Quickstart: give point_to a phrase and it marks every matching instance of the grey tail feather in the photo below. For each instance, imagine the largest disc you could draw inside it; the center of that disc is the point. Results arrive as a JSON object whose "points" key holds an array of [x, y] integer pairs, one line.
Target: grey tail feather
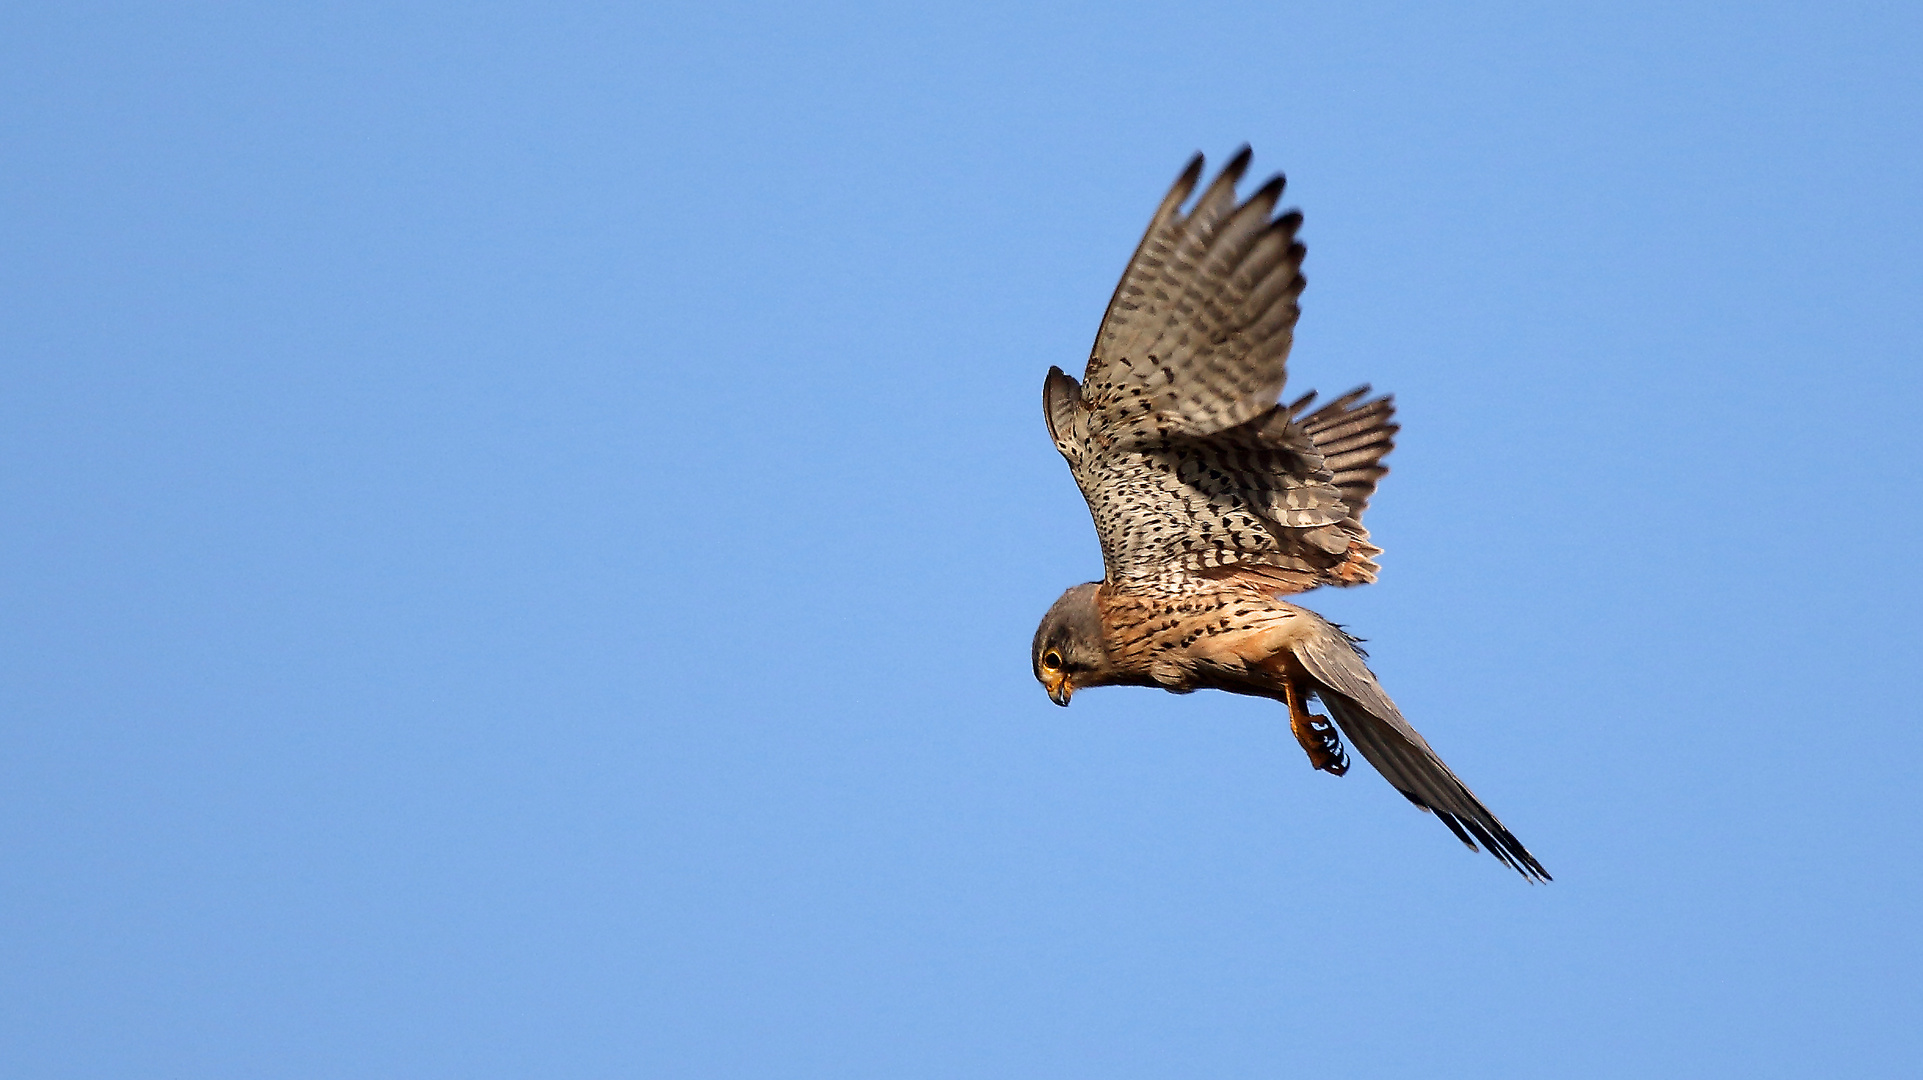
{"points": [[1424, 780]]}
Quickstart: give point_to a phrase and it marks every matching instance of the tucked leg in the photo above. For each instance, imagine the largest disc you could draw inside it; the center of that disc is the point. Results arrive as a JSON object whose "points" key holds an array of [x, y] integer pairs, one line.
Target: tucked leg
{"points": [[1316, 734]]}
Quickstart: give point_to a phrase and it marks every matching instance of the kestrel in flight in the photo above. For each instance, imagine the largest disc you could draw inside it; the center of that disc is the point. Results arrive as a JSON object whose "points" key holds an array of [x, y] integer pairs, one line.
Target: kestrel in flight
{"points": [[1212, 501]]}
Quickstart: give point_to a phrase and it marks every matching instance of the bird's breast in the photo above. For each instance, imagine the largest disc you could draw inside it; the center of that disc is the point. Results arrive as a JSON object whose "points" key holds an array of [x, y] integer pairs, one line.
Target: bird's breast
{"points": [[1217, 638]]}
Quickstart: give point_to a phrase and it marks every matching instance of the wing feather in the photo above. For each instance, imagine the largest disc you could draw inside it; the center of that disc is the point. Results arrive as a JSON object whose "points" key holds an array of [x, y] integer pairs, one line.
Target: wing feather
{"points": [[1174, 436], [1353, 433], [1197, 334]]}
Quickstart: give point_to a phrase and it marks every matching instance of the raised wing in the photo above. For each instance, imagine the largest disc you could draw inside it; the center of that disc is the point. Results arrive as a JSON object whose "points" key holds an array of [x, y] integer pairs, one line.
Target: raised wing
{"points": [[1188, 464], [1197, 335]]}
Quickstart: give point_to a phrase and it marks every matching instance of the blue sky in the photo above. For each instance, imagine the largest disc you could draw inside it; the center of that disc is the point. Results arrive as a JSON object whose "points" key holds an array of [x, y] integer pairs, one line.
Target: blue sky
{"points": [[524, 525]]}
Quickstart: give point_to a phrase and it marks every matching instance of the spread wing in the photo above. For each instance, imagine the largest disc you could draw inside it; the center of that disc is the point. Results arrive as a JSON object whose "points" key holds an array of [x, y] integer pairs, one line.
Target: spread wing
{"points": [[1189, 465], [1352, 434], [1373, 725]]}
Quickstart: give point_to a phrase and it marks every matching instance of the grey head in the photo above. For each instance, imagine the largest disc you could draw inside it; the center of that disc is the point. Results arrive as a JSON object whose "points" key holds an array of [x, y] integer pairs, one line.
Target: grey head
{"points": [[1069, 652]]}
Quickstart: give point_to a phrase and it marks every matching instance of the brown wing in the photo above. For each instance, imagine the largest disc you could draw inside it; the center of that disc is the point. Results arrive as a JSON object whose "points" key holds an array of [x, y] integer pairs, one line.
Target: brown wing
{"points": [[1353, 435], [1188, 464], [1196, 338]]}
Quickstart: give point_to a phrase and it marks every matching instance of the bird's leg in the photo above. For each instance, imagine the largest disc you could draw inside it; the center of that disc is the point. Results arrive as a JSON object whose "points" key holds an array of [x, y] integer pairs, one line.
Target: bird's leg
{"points": [[1316, 734]]}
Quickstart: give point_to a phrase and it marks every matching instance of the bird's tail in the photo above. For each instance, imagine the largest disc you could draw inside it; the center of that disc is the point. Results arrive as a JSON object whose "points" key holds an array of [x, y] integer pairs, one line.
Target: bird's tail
{"points": [[1412, 768], [1375, 727]]}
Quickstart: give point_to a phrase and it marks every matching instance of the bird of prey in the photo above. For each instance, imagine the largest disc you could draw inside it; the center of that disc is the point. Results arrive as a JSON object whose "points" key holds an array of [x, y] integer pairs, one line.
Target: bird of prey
{"points": [[1213, 501]]}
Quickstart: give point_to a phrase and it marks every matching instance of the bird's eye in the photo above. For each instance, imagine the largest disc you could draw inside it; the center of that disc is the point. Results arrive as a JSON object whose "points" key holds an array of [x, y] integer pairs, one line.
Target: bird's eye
{"points": [[1052, 661]]}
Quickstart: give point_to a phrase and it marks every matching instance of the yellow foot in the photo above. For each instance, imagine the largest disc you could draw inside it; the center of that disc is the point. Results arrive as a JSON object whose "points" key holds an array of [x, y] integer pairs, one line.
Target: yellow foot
{"points": [[1324, 746], [1316, 734]]}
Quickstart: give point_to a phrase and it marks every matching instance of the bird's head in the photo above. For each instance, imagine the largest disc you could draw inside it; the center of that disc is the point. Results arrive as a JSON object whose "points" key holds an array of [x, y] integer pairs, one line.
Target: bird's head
{"points": [[1069, 651]]}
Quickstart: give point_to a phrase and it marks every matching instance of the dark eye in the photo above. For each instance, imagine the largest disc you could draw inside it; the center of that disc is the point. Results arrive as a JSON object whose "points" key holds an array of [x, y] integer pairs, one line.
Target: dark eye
{"points": [[1052, 661]]}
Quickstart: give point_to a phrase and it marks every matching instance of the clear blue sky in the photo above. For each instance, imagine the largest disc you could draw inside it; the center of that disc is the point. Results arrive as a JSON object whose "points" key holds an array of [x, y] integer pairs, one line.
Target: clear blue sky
{"points": [[523, 525]]}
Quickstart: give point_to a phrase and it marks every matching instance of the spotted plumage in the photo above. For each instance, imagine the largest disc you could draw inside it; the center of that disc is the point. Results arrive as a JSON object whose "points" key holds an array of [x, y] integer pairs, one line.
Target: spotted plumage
{"points": [[1212, 501]]}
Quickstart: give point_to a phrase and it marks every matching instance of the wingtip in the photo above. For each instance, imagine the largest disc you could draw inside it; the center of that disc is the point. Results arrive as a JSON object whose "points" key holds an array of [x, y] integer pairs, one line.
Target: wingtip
{"points": [[1239, 162], [1181, 189], [1270, 191]]}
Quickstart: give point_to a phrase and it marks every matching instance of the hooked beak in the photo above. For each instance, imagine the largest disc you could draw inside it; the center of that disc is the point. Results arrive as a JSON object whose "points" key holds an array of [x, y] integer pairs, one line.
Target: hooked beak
{"points": [[1058, 688]]}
